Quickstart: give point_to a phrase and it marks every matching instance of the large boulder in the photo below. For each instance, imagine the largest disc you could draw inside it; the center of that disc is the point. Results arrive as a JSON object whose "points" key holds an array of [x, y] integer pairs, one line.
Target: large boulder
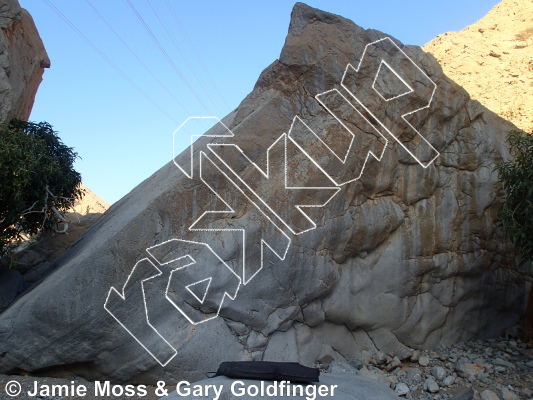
{"points": [[23, 59], [407, 256]]}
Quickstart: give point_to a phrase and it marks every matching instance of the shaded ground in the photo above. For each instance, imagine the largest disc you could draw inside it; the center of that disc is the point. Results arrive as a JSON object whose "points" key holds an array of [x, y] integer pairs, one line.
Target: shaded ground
{"points": [[493, 369]]}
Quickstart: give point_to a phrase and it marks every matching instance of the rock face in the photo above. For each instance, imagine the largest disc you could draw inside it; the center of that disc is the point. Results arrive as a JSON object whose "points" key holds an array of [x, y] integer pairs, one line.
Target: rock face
{"points": [[404, 257], [91, 203], [493, 60], [23, 59], [11, 285]]}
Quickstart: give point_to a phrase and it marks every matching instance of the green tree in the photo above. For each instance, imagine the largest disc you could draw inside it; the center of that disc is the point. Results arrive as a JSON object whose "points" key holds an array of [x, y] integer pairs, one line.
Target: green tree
{"points": [[516, 214], [37, 181]]}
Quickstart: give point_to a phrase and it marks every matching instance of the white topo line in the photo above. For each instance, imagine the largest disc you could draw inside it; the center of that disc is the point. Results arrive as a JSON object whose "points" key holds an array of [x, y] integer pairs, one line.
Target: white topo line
{"points": [[189, 172]]}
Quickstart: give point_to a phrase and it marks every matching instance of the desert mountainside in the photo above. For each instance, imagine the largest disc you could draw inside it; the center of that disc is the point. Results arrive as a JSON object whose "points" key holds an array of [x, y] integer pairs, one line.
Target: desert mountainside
{"points": [[493, 60], [90, 203]]}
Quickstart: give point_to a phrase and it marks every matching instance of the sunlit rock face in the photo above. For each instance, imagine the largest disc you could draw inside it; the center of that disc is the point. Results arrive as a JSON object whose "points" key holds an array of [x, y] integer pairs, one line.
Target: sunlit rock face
{"points": [[23, 59], [406, 256], [493, 60]]}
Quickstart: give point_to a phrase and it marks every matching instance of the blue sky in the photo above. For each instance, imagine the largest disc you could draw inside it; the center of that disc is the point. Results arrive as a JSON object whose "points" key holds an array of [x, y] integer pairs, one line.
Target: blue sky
{"points": [[122, 127]]}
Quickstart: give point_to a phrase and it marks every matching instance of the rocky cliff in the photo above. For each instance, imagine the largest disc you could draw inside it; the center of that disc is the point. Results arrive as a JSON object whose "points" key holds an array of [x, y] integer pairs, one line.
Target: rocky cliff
{"points": [[404, 256], [91, 203], [23, 59], [22, 62], [493, 60]]}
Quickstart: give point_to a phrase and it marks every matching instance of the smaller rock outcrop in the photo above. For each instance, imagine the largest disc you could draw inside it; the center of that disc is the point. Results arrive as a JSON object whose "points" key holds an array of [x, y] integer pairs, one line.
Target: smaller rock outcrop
{"points": [[23, 59], [91, 203]]}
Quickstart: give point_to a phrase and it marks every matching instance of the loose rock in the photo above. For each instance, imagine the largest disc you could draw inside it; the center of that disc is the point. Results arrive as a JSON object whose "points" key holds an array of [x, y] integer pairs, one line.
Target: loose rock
{"points": [[341, 367], [465, 368], [438, 373], [489, 395], [423, 361], [431, 385], [508, 394], [448, 381], [394, 363], [467, 394], [402, 389], [414, 375], [380, 357], [504, 363]]}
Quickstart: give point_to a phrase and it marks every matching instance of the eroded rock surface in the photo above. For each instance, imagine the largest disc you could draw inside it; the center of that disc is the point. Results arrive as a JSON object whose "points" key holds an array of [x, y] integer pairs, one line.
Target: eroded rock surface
{"points": [[493, 60], [23, 59], [90, 203], [405, 257]]}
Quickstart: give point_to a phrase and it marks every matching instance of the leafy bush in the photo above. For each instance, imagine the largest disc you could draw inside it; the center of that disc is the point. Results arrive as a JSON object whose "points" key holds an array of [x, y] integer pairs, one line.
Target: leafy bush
{"points": [[516, 214], [37, 180]]}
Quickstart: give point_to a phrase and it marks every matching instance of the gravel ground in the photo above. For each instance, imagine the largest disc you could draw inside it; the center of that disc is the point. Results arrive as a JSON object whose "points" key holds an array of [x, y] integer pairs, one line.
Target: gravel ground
{"points": [[494, 369]]}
